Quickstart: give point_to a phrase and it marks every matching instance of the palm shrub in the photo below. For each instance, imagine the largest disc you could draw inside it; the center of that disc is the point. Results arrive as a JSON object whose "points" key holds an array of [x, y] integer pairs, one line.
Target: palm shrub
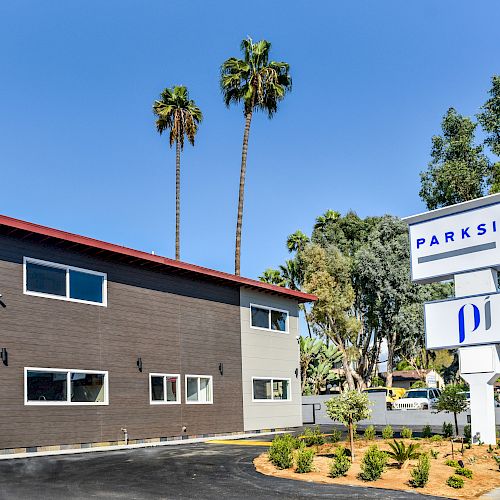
{"points": [[313, 436], [420, 473], [426, 431], [373, 464], [406, 433], [402, 454], [281, 451], [304, 462], [340, 463], [464, 471], [387, 432], [434, 454], [369, 433], [456, 482], [447, 429]]}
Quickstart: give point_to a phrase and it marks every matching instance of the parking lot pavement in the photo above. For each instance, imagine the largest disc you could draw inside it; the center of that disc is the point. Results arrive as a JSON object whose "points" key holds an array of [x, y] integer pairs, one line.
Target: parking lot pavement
{"points": [[201, 471]]}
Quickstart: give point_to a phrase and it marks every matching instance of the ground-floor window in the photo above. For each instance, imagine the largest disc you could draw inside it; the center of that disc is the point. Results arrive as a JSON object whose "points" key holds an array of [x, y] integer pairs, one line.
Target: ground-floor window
{"points": [[50, 386], [199, 389], [164, 388], [271, 389]]}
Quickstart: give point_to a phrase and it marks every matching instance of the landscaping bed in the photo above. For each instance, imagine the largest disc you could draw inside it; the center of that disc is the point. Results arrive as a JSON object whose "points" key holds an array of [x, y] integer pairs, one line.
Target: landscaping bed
{"points": [[480, 460]]}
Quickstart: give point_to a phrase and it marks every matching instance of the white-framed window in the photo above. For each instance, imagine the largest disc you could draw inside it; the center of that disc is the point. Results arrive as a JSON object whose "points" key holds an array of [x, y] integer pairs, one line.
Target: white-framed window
{"points": [[62, 282], [271, 389], [199, 389], [164, 388], [268, 318], [57, 386]]}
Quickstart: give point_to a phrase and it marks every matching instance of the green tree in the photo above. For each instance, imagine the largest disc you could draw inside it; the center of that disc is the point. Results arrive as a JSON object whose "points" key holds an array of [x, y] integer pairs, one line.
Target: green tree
{"points": [[297, 241], [349, 408], [382, 267], [489, 118], [459, 171], [260, 84], [273, 277], [179, 115], [452, 400]]}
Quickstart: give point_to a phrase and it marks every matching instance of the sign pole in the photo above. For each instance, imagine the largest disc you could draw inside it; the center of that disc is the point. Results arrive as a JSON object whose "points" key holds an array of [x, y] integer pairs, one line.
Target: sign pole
{"points": [[479, 365]]}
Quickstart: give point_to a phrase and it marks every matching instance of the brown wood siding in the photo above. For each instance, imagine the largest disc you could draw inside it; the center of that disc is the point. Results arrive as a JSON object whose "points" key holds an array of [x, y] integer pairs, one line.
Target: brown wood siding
{"points": [[176, 324]]}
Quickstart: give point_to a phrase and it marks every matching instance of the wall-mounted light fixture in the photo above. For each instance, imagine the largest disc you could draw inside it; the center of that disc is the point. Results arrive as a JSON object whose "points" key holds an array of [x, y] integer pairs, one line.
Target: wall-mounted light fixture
{"points": [[296, 373], [4, 356], [221, 368], [139, 364], [2, 303]]}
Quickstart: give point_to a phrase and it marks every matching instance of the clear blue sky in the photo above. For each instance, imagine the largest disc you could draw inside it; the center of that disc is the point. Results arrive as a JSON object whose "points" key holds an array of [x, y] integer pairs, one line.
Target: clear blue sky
{"points": [[79, 151]]}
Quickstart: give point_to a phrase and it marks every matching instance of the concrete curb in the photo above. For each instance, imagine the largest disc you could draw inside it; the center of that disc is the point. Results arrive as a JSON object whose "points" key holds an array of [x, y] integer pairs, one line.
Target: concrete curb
{"points": [[98, 449]]}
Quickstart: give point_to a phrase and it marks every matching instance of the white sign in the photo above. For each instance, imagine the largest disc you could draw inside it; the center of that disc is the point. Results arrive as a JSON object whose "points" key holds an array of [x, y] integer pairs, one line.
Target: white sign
{"points": [[462, 322], [450, 244]]}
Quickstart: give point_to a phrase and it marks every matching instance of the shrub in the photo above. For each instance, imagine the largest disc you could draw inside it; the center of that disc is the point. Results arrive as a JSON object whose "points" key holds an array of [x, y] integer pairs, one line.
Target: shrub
{"points": [[426, 431], [387, 432], [434, 454], [467, 433], [340, 463], [281, 451], [497, 460], [451, 463], [402, 454], [304, 460], [406, 433], [463, 471], [335, 436], [447, 429], [370, 433], [420, 473], [313, 436], [437, 438], [373, 464], [455, 482]]}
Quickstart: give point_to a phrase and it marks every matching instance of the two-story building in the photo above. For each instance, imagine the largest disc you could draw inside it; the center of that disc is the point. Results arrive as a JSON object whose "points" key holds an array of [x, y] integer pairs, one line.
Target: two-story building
{"points": [[96, 338]]}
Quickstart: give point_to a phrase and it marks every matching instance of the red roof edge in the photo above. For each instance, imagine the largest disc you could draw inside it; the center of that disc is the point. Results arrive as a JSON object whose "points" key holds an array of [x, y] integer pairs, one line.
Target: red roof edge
{"points": [[118, 249]]}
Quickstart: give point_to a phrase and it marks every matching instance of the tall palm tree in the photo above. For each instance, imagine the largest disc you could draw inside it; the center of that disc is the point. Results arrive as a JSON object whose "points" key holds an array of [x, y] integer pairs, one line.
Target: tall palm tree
{"points": [[260, 84], [180, 115]]}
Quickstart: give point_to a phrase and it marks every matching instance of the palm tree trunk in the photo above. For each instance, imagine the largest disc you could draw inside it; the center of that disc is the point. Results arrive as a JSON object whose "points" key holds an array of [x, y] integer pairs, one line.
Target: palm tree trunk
{"points": [[177, 200], [239, 222]]}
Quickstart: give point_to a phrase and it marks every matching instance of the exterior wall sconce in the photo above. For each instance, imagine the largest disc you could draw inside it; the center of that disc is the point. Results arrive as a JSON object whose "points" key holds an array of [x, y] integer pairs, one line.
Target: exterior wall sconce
{"points": [[221, 368], [139, 364], [4, 356], [296, 373]]}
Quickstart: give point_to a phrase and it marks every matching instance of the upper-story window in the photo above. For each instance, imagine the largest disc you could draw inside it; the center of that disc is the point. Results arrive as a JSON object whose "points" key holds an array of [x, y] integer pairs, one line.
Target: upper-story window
{"points": [[58, 281], [267, 318]]}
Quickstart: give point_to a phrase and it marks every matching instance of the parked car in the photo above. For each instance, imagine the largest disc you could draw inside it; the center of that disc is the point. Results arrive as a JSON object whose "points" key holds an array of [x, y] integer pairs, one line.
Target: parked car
{"points": [[467, 397], [418, 399], [391, 393]]}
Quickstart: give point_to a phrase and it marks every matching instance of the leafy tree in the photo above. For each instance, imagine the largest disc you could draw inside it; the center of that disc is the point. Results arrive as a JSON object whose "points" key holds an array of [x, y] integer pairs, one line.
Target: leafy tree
{"points": [[179, 115], [349, 408], [452, 400], [489, 118], [459, 171], [260, 84]]}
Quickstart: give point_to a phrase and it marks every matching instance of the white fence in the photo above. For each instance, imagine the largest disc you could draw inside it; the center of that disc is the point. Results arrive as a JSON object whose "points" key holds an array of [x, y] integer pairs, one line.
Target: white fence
{"points": [[314, 412]]}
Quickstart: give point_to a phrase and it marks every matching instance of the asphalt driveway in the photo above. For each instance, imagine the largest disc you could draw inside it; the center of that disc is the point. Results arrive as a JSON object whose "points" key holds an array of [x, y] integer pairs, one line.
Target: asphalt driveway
{"points": [[201, 471]]}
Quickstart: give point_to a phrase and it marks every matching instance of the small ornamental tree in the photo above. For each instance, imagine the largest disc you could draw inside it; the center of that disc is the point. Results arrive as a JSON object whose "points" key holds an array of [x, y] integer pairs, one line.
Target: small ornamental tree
{"points": [[452, 400], [349, 408]]}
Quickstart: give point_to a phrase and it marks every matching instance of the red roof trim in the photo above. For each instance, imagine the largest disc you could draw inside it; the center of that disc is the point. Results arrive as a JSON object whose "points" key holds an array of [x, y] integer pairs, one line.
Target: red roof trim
{"points": [[118, 249]]}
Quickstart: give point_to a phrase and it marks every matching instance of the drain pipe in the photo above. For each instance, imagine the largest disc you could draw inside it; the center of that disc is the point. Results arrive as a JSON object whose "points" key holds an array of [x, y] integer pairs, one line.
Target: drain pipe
{"points": [[125, 434]]}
